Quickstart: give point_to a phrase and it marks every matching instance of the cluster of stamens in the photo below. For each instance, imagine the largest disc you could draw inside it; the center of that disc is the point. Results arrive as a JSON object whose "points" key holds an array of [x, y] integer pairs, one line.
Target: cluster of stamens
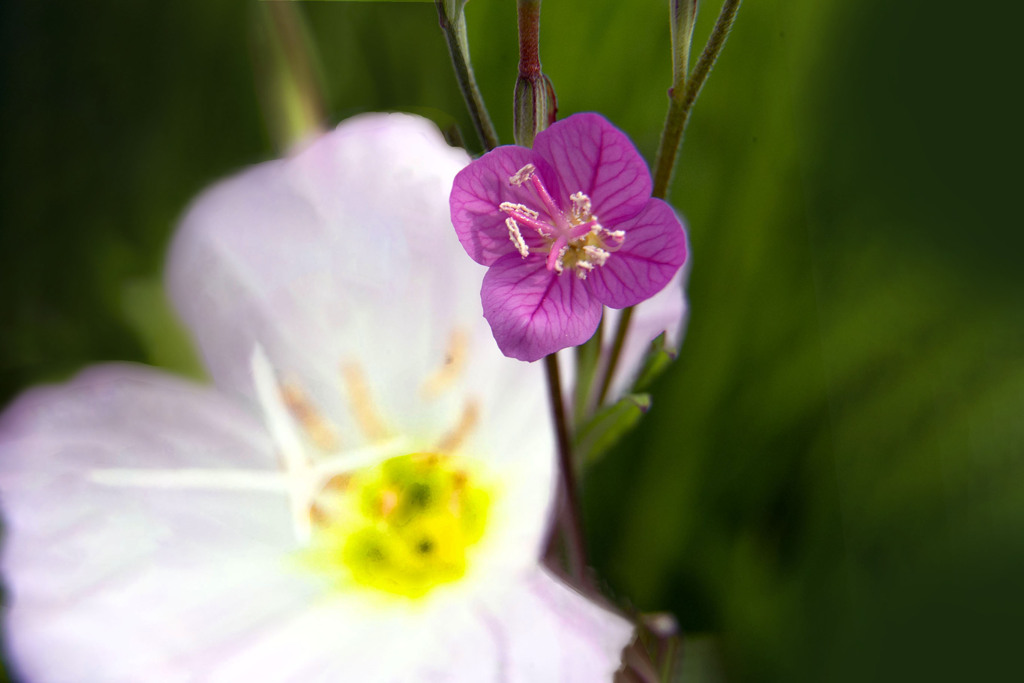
{"points": [[411, 523], [402, 525], [572, 239]]}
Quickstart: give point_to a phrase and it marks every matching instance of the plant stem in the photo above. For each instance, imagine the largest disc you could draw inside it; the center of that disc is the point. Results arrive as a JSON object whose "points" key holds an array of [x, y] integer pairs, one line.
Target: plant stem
{"points": [[569, 517], [681, 100], [529, 37], [613, 357], [454, 28], [682, 97]]}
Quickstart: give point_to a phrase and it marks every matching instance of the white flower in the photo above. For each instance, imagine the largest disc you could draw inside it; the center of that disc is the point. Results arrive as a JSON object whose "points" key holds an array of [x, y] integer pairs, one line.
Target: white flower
{"points": [[363, 497]]}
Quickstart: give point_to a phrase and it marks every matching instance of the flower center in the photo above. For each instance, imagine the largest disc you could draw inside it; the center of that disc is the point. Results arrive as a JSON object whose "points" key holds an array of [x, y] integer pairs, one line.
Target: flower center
{"points": [[573, 239], [403, 526]]}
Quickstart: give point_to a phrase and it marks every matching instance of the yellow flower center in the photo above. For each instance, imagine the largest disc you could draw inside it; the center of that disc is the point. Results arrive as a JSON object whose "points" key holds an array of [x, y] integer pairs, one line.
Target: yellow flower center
{"points": [[406, 525]]}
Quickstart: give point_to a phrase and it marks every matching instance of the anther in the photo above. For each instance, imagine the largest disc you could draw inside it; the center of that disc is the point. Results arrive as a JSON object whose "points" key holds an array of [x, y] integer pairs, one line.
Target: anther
{"points": [[581, 205], [595, 255], [315, 426], [509, 207], [517, 237], [612, 239], [467, 421], [361, 399], [454, 362], [522, 175], [558, 262]]}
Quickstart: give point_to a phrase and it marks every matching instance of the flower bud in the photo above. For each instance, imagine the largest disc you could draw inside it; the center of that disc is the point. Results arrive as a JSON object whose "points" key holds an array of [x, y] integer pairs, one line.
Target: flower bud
{"points": [[683, 17], [534, 107]]}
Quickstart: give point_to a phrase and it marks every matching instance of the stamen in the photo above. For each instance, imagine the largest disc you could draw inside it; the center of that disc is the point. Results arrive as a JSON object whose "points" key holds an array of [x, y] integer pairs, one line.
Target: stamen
{"points": [[595, 255], [318, 517], [454, 362], [388, 502], [522, 175], [361, 400], [509, 207], [556, 257], [581, 205], [339, 483], [467, 421], [517, 237], [316, 427], [545, 229], [613, 239]]}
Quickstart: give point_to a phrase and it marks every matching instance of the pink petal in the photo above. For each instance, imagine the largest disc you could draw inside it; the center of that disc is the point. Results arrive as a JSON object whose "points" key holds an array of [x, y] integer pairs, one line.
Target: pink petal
{"points": [[654, 249], [592, 156], [481, 187], [532, 311]]}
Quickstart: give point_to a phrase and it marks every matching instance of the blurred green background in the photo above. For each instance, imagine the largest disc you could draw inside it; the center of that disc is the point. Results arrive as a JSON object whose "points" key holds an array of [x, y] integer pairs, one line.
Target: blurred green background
{"points": [[831, 480]]}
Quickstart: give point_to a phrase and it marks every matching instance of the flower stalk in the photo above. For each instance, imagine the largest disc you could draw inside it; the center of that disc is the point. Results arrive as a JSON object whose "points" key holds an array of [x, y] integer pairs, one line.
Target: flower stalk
{"points": [[534, 103], [530, 116], [686, 88], [682, 96], [570, 520], [453, 23], [288, 78]]}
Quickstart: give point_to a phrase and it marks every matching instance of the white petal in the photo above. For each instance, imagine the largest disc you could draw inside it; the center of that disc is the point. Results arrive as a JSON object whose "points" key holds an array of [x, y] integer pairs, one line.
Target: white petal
{"points": [[344, 253], [131, 582], [665, 312], [541, 631]]}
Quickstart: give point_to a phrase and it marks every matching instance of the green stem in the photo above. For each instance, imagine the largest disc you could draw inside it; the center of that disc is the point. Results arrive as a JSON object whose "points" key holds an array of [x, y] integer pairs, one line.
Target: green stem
{"points": [[683, 96], [588, 359], [681, 100], [454, 28], [569, 517], [613, 358]]}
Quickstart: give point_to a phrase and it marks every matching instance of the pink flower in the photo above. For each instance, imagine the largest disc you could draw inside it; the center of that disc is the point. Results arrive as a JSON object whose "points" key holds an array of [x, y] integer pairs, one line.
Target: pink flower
{"points": [[565, 229]]}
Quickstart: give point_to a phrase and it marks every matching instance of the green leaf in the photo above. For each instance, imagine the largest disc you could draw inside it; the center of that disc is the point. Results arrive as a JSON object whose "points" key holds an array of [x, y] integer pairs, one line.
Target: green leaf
{"points": [[609, 425], [657, 360]]}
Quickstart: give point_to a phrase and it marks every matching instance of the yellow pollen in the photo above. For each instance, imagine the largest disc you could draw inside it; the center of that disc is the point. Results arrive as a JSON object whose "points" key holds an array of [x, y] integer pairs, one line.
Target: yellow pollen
{"points": [[409, 524]]}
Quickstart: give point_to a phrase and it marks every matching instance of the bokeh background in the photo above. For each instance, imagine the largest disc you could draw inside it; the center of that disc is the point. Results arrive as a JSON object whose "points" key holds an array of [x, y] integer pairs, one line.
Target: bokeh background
{"points": [[830, 485]]}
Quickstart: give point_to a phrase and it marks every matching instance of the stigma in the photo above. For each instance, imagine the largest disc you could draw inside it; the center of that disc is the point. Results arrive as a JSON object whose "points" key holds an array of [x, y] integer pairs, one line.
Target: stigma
{"points": [[404, 526], [572, 238]]}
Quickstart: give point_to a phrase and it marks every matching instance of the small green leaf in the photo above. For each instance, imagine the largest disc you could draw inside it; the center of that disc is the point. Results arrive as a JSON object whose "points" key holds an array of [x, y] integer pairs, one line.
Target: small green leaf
{"points": [[657, 360], [610, 425]]}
